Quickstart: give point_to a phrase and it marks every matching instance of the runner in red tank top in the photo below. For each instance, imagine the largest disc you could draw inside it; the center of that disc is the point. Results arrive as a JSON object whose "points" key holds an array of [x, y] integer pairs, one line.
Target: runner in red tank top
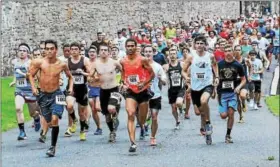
{"points": [[136, 77]]}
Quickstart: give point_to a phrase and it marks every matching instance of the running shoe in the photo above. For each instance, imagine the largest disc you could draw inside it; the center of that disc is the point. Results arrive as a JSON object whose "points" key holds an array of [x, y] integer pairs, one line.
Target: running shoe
{"points": [[68, 132], [112, 137], [228, 139], [82, 136], [208, 129], [51, 151], [73, 128], [251, 104], [133, 147], [22, 135], [177, 126], [256, 107], [202, 131], [187, 117], [241, 120], [98, 131], [42, 139]]}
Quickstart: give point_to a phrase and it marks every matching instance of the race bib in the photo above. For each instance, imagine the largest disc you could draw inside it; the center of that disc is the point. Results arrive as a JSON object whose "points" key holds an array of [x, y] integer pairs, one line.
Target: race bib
{"points": [[60, 100], [269, 40], [78, 79], [176, 79], [133, 79], [200, 76], [117, 96], [227, 84], [21, 82]]}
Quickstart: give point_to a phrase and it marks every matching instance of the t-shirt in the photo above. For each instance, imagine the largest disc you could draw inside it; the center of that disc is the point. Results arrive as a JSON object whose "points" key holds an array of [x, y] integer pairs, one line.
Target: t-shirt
{"points": [[158, 70], [121, 43], [219, 55], [97, 44], [257, 65], [159, 58], [228, 73], [245, 50]]}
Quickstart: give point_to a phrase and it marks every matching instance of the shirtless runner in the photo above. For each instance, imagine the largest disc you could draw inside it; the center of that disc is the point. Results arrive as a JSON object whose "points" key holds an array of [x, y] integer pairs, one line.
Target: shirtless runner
{"points": [[94, 91], [50, 98], [104, 69]]}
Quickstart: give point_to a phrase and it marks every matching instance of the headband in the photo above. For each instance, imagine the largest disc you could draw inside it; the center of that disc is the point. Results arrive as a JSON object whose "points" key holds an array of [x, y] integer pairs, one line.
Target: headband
{"points": [[25, 47]]}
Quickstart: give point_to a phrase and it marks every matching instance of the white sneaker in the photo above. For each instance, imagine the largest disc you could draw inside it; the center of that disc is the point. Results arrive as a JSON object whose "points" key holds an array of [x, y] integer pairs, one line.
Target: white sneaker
{"points": [[256, 107], [251, 104]]}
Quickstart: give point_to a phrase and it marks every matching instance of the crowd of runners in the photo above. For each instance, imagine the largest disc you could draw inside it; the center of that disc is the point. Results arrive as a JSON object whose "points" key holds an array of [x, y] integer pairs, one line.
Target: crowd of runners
{"points": [[218, 58]]}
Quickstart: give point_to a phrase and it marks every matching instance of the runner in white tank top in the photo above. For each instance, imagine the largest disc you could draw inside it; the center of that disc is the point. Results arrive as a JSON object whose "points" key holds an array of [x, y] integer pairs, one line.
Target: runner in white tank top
{"points": [[203, 68]]}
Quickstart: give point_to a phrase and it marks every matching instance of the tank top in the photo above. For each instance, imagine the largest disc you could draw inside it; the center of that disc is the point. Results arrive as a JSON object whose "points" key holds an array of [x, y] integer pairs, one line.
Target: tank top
{"points": [[78, 79], [22, 83], [201, 71], [135, 73], [175, 76]]}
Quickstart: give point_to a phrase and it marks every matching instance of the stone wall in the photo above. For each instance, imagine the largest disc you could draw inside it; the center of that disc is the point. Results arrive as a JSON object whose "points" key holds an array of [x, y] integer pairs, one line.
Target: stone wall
{"points": [[33, 21]]}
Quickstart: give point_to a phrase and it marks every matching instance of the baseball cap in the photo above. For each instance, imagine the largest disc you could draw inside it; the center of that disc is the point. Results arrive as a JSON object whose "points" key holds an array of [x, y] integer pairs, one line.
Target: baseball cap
{"points": [[255, 43]]}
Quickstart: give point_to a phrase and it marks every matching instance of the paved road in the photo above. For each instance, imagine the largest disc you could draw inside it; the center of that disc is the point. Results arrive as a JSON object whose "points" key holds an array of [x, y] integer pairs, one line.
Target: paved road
{"points": [[254, 141]]}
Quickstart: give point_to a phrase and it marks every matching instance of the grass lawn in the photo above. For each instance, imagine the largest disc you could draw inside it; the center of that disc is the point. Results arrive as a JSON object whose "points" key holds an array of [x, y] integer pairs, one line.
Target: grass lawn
{"points": [[8, 113], [273, 104]]}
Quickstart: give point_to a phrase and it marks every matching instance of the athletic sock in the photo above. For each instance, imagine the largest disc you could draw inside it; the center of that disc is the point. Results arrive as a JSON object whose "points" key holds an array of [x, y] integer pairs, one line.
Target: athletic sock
{"points": [[55, 131], [208, 122], [21, 126], [110, 126], [228, 131], [83, 125]]}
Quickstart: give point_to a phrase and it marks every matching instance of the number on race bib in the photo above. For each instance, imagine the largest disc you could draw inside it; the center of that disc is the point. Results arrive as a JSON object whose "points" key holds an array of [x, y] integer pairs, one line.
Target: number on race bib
{"points": [[176, 79], [21, 82], [78, 79], [228, 84], [133, 79], [200, 76], [117, 96], [60, 100]]}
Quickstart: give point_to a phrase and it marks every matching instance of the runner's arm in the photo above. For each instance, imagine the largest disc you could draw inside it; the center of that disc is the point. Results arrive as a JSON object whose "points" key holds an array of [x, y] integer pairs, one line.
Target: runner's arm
{"points": [[118, 65], [248, 63], [266, 61], [87, 65], [122, 81], [241, 73], [70, 77], [163, 77], [33, 69], [184, 73], [215, 66], [186, 66], [146, 65]]}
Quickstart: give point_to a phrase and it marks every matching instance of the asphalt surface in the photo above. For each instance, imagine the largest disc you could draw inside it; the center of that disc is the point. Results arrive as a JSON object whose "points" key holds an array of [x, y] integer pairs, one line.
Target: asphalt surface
{"points": [[254, 142]]}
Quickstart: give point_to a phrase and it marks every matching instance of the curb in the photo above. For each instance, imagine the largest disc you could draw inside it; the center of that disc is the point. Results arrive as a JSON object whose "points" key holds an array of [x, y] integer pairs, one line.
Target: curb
{"points": [[274, 83]]}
